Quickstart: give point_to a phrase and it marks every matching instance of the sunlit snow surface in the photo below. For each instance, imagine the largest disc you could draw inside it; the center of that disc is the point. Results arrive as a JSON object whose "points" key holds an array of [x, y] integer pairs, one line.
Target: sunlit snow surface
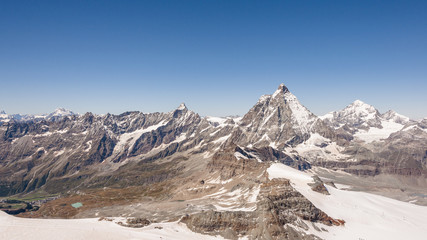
{"points": [[375, 134], [13, 228], [367, 216]]}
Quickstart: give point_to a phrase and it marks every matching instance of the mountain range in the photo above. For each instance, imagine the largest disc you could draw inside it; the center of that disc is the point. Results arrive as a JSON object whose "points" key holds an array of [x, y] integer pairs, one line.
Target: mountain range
{"points": [[59, 112], [257, 176]]}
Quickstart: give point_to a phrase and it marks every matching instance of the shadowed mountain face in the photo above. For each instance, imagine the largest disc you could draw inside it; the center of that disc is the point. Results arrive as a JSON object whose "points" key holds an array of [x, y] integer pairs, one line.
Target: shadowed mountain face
{"points": [[65, 151]]}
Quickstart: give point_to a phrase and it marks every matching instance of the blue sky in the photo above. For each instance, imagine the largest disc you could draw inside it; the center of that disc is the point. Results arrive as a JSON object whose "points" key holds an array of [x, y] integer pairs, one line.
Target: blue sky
{"points": [[218, 57]]}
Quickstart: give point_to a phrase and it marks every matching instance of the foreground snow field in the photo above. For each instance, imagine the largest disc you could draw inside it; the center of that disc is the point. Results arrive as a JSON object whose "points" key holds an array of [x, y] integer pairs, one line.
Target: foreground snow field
{"points": [[367, 216], [75, 229]]}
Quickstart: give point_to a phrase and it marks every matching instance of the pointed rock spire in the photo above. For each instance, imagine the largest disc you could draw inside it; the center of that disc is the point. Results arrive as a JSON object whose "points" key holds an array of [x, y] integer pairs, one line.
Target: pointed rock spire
{"points": [[282, 89]]}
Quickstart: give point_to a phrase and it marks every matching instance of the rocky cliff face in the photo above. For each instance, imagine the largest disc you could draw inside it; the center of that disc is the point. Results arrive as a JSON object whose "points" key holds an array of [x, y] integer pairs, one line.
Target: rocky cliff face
{"points": [[278, 205]]}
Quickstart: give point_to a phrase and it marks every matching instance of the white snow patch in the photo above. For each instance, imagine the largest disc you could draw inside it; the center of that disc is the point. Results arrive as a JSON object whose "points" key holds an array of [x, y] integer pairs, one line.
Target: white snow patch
{"points": [[217, 131], [60, 152], [222, 139], [237, 120], [89, 146], [238, 200], [218, 120], [314, 143], [51, 133], [162, 146], [43, 134], [375, 134], [217, 180], [253, 195], [80, 133], [327, 116], [268, 118], [239, 156]]}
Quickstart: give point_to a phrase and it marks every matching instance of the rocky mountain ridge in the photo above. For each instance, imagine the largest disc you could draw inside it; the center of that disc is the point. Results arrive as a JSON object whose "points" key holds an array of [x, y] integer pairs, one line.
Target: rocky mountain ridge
{"points": [[57, 113], [64, 143], [218, 166]]}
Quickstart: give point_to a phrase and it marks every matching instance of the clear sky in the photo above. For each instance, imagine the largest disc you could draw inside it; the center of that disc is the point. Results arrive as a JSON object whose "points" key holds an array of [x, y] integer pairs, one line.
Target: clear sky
{"points": [[218, 57]]}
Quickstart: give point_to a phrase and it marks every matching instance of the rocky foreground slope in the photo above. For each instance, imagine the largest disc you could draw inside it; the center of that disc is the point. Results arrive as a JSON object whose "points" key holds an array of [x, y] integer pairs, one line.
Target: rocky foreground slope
{"points": [[214, 174]]}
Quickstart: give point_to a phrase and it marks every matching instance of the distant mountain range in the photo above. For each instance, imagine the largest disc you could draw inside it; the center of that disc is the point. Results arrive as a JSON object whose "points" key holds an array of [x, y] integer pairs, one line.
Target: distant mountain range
{"points": [[66, 153], [64, 141], [59, 112]]}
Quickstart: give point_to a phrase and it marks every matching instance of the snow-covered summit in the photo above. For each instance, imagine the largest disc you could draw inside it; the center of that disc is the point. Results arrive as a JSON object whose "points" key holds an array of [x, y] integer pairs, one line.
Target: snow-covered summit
{"points": [[182, 107], [61, 112], [277, 119], [365, 122], [301, 117], [361, 110], [357, 114], [282, 89]]}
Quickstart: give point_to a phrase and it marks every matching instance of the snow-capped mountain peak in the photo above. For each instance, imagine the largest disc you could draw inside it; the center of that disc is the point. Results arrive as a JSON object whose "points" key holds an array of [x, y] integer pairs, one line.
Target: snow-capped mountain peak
{"points": [[359, 102], [61, 112], [300, 114], [357, 114], [282, 89], [365, 122], [182, 107], [361, 109]]}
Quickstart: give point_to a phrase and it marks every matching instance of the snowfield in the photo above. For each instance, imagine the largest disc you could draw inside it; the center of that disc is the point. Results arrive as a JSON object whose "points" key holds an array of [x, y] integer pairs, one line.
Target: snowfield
{"points": [[367, 216], [14, 228], [376, 134]]}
